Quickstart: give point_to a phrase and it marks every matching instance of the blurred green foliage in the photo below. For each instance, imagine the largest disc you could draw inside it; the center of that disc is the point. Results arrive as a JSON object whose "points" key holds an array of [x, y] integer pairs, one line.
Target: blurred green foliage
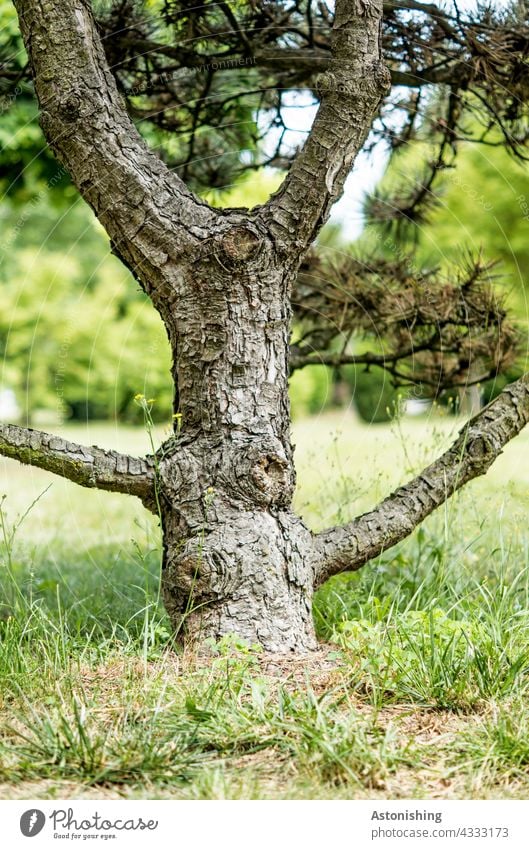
{"points": [[484, 205], [481, 203], [77, 337]]}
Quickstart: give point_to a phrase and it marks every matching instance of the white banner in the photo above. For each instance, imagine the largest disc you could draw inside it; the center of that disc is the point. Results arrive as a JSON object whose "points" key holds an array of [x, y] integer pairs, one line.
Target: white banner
{"points": [[264, 825]]}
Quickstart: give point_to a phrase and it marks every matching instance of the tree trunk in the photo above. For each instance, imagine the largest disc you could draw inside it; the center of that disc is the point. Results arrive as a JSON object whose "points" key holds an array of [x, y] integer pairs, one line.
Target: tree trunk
{"points": [[236, 558], [470, 396], [241, 571]]}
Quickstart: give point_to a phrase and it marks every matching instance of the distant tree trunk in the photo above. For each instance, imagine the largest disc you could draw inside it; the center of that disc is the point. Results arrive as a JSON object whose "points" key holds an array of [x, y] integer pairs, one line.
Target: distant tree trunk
{"points": [[470, 396], [341, 391]]}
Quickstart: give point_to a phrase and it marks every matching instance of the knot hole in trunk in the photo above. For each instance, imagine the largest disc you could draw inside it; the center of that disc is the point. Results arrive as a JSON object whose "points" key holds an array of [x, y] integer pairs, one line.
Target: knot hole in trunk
{"points": [[241, 245], [271, 476]]}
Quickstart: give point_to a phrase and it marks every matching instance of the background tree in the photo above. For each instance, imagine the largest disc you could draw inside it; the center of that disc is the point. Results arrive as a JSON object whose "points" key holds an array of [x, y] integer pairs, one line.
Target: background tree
{"points": [[213, 79]]}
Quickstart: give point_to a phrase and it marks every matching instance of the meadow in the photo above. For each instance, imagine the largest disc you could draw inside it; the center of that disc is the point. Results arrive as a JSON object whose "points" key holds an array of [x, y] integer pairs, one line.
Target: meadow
{"points": [[418, 690]]}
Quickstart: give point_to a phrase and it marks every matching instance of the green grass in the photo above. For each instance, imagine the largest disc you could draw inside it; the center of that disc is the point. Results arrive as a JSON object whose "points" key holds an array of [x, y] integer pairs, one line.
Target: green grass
{"points": [[419, 690]]}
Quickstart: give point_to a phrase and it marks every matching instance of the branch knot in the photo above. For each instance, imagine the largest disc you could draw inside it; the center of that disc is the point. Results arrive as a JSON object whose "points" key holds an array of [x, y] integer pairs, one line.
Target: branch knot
{"points": [[70, 108]]}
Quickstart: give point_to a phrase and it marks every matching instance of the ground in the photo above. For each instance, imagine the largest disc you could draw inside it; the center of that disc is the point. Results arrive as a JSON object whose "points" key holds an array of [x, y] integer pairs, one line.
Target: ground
{"points": [[419, 688]]}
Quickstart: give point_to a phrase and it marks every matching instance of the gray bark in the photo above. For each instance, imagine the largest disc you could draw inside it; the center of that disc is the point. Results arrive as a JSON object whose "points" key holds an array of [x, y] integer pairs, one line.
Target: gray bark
{"points": [[90, 467], [470, 396], [350, 92], [236, 557]]}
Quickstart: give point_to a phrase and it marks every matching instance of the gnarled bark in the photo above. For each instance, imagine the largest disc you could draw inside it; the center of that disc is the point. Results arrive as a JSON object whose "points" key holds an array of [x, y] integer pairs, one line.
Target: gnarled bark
{"points": [[350, 92], [91, 467], [236, 558]]}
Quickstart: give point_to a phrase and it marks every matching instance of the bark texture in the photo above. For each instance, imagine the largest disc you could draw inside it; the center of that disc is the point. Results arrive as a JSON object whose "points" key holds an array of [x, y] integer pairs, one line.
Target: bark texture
{"points": [[91, 467], [236, 557], [350, 92]]}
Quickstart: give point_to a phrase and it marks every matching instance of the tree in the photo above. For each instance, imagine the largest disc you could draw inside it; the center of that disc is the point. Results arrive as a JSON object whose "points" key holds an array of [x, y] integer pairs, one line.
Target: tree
{"points": [[236, 557]]}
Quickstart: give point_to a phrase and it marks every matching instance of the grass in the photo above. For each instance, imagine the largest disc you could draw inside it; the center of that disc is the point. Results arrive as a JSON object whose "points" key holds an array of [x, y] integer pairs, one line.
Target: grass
{"points": [[419, 688]]}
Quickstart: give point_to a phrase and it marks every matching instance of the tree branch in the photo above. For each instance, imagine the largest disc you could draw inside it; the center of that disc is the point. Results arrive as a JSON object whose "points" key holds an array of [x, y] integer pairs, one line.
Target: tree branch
{"points": [[481, 441], [146, 209], [350, 93], [299, 360], [302, 65], [430, 327], [90, 467]]}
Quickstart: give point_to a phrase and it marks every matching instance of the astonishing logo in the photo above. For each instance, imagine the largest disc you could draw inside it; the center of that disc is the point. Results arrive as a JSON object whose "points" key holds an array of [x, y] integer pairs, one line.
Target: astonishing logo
{"points": [[32, 822]]}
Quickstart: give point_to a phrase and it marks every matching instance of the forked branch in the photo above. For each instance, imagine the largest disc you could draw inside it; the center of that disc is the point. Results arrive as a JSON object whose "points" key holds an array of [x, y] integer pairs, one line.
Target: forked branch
{"points": [[480, 442], [90, 467], [350, 93], [145, 208]]}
